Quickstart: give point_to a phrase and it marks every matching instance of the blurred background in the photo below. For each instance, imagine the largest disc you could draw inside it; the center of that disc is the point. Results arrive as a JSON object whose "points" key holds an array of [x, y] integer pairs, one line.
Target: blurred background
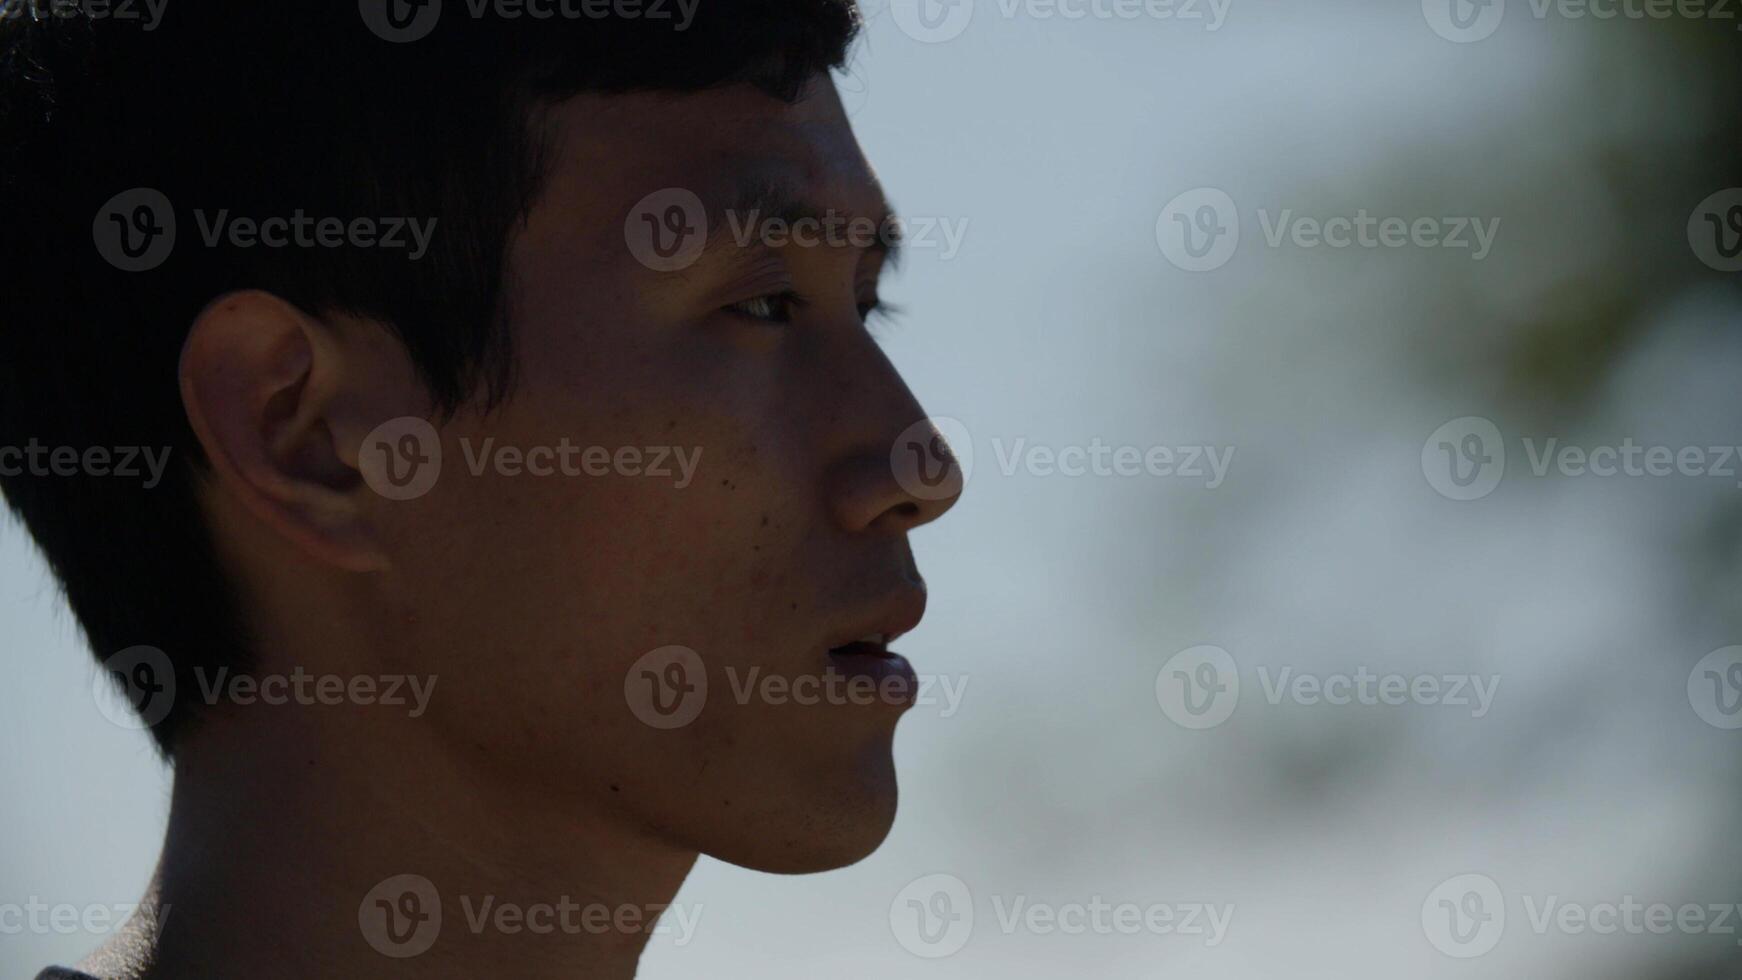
{"points": [[1145, 658]]}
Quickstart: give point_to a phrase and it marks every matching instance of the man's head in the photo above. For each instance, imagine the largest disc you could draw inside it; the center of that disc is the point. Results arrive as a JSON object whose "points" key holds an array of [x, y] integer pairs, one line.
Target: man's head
{"points": [[664, 433]]}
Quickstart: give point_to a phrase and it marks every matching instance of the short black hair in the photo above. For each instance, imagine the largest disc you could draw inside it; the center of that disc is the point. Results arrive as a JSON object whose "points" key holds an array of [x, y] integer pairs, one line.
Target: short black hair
{"points": [[267, 108]]}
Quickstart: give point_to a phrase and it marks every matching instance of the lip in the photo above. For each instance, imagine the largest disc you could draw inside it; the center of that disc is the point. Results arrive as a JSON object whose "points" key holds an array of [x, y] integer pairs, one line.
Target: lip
{"points": [[895, 616], [890, 676], [896, 682]]}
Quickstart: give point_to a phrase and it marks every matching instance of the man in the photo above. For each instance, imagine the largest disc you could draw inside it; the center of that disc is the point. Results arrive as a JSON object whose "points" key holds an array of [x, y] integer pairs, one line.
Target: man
{"points": [[525, 467]]}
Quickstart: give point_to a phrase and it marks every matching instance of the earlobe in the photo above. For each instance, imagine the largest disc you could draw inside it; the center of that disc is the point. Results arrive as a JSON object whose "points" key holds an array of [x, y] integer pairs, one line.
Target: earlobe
{"points": [[263, 386]]}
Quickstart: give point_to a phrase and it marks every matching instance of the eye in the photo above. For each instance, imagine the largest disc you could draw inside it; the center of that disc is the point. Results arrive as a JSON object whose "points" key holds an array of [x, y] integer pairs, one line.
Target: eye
{"points": [[772, 308], [877, 315]]}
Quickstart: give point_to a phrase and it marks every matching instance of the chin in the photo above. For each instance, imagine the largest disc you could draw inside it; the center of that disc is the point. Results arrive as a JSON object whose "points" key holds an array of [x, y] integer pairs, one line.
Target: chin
{"points": [[838, 847], [823, 826]]}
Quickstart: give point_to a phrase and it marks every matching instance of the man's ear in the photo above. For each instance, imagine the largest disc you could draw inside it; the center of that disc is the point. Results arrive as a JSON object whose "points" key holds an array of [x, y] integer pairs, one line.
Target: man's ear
{"points": [[281, 402]]}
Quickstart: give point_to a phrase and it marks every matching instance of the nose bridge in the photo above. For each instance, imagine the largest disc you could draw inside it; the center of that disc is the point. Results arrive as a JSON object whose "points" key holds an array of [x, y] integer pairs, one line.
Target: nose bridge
{"points": [[887, 469], [865, 402]]}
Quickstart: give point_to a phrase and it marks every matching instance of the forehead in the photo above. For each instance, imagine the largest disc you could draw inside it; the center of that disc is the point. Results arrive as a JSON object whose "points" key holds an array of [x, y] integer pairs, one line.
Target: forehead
{"points": [[604, 153]]}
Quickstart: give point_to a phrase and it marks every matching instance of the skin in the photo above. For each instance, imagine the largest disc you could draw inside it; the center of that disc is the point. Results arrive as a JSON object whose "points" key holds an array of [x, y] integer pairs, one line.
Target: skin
{"points": [[530, 600]]}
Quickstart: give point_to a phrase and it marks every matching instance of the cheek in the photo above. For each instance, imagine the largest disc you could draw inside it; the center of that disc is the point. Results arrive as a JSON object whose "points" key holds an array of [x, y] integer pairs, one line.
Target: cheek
{"points": [[699, 541], [550, 590], [689, 540], [720, 462]]}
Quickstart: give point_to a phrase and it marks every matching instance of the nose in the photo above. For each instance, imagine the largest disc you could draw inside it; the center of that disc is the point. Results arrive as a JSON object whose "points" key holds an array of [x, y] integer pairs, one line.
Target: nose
{"points": [[874, 494], [901, 473]]}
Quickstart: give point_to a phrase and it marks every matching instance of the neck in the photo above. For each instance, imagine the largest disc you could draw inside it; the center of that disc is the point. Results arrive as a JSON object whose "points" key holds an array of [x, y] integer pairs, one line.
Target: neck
{"points": [[315, 841]]}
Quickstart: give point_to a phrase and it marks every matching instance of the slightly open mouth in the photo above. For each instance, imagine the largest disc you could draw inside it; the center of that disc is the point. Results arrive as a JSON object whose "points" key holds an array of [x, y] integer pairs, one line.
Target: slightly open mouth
{"points": [[871, 646]]}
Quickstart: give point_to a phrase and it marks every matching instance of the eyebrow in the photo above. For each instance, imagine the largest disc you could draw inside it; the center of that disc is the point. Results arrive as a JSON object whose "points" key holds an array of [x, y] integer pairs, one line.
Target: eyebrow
{"points": [[773, 200]]}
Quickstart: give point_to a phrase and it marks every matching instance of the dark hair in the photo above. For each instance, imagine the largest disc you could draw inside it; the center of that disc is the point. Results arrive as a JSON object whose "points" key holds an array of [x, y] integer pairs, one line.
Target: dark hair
{"points": [[266, 107]]}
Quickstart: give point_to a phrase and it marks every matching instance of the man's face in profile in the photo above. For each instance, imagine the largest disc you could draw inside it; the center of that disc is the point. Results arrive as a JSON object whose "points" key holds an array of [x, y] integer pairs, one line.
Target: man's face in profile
{"points": [[747, 511]]}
